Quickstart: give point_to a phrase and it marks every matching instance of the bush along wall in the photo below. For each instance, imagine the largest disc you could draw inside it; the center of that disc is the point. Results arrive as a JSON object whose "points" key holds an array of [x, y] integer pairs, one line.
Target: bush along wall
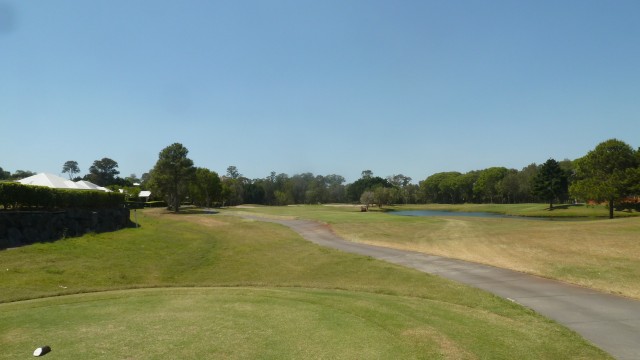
{"points": [[17, 196], [38, 214]]}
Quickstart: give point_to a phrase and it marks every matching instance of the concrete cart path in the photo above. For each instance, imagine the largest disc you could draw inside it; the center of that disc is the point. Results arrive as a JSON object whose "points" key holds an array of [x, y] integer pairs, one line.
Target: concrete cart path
{"points": [[608, 321]]}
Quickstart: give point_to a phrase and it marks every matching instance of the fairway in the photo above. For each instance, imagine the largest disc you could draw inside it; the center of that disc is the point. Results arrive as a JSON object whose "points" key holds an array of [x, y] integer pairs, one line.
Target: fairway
{"points": [[597, 253], [199, 285]]}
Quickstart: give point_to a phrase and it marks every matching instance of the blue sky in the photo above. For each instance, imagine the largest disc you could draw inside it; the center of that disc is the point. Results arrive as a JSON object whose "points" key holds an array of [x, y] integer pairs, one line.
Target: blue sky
{"points": [[329, 87]]}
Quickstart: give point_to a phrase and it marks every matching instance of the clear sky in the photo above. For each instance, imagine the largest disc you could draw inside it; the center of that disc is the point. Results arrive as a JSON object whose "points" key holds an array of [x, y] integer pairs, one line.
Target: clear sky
{"points": [[329, 87]]}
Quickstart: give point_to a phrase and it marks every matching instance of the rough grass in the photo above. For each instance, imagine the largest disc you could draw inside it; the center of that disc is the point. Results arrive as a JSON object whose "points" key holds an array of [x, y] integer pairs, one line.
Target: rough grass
{"points": [[254, 290], [598, 253]]}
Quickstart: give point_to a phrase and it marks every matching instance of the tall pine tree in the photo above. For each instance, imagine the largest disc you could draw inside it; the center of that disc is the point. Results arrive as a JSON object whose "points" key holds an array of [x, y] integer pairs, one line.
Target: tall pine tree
{"points": [[550, 183]]}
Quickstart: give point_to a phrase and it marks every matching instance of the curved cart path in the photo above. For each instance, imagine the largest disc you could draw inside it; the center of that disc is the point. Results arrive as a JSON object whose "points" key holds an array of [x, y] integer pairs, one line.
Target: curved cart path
{"points": [[608, 321]]}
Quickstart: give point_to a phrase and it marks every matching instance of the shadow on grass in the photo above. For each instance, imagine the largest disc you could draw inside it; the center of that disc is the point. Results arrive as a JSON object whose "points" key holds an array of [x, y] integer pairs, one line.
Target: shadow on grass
{"points": [[564, 207], [30, 237], [195, 211]]}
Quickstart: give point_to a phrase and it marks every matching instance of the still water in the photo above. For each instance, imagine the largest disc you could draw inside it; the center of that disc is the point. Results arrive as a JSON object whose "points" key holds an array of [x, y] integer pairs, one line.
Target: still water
{"points": [[483, 215], [451, 213]]}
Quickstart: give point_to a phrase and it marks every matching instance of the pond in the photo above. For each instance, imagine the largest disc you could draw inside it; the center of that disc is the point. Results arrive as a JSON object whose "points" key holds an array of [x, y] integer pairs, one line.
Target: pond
{"points": [[476, 214], [450, 213]]}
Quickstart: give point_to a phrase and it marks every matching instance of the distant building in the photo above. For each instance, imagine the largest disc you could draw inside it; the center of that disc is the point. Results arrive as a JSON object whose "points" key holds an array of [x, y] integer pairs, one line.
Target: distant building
{"points": [[144, 195]]}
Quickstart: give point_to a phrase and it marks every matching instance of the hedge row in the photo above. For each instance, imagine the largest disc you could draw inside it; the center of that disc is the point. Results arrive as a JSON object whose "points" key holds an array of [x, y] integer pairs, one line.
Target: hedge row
{"points": [[628, 206], [155, 204], [142, 204], [18, 196]]}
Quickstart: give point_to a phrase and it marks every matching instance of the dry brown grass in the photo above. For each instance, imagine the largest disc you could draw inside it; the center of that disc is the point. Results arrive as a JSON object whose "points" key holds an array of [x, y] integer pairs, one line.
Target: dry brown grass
{"points": [[601, 254]]}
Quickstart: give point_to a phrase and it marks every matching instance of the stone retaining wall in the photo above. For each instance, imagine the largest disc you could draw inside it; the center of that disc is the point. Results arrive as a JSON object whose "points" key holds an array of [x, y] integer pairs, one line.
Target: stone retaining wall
{"points": [[19, 228]]}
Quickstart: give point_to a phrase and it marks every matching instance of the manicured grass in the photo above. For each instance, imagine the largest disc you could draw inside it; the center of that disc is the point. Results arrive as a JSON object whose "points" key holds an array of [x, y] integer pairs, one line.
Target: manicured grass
{"points": [[244, 323], [602, 254], [216, 286]]}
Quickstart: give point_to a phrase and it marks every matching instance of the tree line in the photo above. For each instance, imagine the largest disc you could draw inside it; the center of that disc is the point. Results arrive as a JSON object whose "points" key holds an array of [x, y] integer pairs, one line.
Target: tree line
{"points": [[17, 175], [499, 185], [609, 173], [103, 172]]}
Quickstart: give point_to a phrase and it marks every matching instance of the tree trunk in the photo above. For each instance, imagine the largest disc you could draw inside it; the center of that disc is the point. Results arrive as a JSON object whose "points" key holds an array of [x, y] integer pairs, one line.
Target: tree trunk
{"points": [[551, 205], [176, 199], [610, 208]]}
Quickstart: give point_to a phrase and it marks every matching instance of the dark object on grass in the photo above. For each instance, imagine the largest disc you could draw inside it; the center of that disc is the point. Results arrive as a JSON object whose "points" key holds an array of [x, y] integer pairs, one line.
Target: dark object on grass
{"points": [[41, 351]]}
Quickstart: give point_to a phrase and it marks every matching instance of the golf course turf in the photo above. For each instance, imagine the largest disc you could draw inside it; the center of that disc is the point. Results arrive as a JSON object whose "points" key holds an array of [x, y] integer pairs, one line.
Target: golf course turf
{"points": [[585, 250], [215, 286]]}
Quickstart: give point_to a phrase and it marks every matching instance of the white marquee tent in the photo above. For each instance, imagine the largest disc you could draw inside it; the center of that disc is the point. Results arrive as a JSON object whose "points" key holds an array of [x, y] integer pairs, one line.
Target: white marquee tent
{"points": [[56, 182]]}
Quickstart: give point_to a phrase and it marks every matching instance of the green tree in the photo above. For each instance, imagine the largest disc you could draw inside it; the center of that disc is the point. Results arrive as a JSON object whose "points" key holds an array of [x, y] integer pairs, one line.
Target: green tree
{"points": [[486, 187], [268, 185], [411, 193], [171, 174], [233, 186], [254, 191], [283, 198], [465, 185], [367, 198], [21, 174], [335, 188], [401, 183], [367, 182], [607, 173], [4, 175], [384, 196], [70, 167], [232, 191], [550, 182], [103, 172], [144, 180], [205, 187], [525, 182], [449, 187], [233, 173], [441, 187], [132, 179], [300, 183], [131, 192], [509, 187]]}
